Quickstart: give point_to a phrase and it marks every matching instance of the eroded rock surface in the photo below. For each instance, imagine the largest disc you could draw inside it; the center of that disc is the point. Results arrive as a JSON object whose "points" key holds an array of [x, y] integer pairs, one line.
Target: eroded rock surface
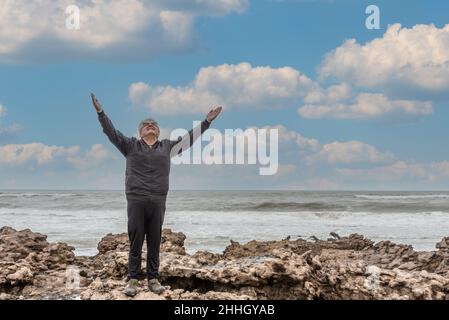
{"points": [[350, 267]]}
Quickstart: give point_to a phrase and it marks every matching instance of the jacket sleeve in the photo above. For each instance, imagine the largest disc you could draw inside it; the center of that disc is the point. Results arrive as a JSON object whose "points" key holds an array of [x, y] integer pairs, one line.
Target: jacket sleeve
{"points": [[184, 143], [117, 138]]}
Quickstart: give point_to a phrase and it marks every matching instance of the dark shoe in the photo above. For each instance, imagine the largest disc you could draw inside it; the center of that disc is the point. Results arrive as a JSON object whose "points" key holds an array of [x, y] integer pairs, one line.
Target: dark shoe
{"points": [[131, 288], [155, 286]]}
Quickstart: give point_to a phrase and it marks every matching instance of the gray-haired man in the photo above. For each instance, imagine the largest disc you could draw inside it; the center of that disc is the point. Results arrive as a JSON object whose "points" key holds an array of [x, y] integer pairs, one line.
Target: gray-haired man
{"points": [[147, 185]]}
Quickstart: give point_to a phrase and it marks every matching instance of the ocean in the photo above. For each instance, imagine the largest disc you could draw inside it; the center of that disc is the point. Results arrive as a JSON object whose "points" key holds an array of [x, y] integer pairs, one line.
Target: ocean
{"points": [[210, 219]]}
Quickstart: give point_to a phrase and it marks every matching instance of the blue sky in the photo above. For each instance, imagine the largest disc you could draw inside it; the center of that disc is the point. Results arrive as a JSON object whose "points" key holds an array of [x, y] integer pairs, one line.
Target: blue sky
{"points": [[47, 73]]}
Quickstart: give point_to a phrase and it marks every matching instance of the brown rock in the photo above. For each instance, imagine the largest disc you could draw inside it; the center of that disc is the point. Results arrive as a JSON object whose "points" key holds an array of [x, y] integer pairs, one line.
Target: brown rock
{"points": [[340, 268]]}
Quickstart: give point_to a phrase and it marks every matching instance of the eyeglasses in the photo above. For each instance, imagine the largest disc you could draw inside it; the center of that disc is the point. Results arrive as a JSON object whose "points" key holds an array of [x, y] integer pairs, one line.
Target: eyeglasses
{"points": [[150, 123]]}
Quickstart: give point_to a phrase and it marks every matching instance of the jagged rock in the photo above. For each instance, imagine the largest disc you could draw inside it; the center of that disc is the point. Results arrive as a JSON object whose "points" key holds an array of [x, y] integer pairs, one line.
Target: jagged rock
{"points": [[171, 242], [443, 245], [113, 242], [31, 267], [350, 267]]}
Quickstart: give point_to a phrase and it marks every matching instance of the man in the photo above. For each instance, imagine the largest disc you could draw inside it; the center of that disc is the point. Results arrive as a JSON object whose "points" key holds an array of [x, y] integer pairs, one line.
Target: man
{"points": [[147, 185]]}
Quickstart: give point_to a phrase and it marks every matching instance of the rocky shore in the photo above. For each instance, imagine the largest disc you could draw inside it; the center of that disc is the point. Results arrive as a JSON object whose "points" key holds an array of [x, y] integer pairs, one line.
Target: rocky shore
{"points": [[351, 267]]}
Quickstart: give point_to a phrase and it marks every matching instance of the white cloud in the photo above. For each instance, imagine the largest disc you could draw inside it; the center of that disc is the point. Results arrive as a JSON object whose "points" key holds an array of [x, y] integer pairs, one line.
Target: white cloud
{"points": [[296, 148], [335, 93], [349, 152], [310, 166], [2, 111], [204, 7], [415, 58], [92, 158], [36, 30], [18, 154], [401, 171], [41, 154], [244, 86], [8, 130], [362, 106], [292, 139], [291, 144], [234, 86]]}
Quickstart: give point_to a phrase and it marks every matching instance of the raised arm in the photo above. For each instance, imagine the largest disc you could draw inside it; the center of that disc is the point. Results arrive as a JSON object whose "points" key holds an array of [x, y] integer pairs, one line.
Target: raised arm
{"points": [[117, 138], [184, 143]]}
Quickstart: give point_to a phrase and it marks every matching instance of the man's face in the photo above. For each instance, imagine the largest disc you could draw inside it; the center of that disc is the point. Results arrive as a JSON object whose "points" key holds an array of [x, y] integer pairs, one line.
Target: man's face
{"points": [[150, 128]]}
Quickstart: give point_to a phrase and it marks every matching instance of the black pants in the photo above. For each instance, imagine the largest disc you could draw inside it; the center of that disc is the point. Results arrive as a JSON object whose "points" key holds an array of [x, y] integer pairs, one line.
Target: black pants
{"points": [[145, 219]]}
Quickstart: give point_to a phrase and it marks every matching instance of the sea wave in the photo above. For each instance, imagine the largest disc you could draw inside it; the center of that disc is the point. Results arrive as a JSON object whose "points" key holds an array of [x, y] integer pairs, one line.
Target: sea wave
{"points": [[288, 206], [400, 197], [39, 195], [43, 213]]}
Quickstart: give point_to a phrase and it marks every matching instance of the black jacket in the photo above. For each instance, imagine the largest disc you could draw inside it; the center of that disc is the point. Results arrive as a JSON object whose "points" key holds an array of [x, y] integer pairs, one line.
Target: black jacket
{"points": [[147, 169]]}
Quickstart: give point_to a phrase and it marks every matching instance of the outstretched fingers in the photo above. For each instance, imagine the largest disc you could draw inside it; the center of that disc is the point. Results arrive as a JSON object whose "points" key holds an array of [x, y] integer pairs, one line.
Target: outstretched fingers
{"points": [[95, 102]]}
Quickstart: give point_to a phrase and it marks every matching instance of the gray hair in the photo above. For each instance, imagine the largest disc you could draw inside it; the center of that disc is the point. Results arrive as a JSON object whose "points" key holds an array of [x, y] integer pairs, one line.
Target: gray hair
{"points": [[144, 122]]}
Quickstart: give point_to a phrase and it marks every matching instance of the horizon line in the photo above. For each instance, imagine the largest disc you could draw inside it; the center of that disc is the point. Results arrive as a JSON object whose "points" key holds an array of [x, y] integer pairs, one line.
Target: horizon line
{"points": [[253, 190]]}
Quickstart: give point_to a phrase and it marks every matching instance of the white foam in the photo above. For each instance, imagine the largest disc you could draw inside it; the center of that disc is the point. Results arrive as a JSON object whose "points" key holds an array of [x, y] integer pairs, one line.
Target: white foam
{"points": [[399, 197], [42, 213]]}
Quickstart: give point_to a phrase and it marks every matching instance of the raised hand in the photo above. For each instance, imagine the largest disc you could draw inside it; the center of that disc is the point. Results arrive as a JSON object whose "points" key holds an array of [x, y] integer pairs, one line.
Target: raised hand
{"points": [[96, 103], [213, 114]]}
